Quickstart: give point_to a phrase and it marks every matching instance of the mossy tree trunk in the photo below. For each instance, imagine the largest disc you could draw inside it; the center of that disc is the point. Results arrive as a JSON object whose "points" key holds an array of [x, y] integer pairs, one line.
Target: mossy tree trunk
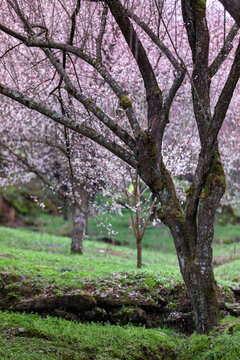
{"points": [[192, 229]]}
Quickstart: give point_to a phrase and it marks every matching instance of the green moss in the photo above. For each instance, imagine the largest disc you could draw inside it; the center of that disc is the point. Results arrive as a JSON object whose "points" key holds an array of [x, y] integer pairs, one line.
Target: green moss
{"points": [[200, 4], [157, 91], [32, 333], [215, 177], [13, 297], [125, 102], [150, 283], [190, 190], [172, 306]]}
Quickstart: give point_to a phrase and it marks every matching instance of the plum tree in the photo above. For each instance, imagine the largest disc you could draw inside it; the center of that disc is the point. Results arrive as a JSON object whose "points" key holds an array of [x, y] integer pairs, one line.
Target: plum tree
{"points": [[143, 58]]}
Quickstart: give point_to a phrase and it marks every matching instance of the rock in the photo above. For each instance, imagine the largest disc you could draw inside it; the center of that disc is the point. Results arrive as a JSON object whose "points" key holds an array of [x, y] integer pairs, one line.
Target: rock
{"points": [[97, 314], [21, 330], [65, 315], [129, 314], [118, 299], [74, 303], [183, 321], [236, 291], [233, 308]]}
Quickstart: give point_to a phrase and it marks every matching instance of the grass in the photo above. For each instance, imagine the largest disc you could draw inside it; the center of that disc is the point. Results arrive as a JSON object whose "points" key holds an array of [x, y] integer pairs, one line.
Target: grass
{"points": [[31, 337], [45, 256], [46, 259], [155, 237]]}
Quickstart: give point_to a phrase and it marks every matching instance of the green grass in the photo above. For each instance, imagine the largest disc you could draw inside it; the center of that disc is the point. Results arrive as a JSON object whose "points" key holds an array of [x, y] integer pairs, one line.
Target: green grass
{"points": [[43, 256], [51, 224], [227, 234], [30, 337], [46, 259], [229, 273], [155, 237]]}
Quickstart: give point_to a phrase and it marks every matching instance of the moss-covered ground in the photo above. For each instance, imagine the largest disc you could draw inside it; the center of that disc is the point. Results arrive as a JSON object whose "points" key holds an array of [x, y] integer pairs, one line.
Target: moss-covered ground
{"points": [[44, 261]]}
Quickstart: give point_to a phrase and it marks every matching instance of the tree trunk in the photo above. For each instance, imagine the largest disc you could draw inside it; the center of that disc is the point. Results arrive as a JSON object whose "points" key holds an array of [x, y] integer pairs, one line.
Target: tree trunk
{"points": [[79, 224], [195, 264], [139, 254], [80, 217], [193, 230], [202, 290]]}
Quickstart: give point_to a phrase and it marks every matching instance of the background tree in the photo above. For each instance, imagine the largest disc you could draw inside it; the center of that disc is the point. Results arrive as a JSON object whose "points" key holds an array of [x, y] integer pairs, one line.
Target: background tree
{"points": [[140, 206], [141, 39], [65, 162]]}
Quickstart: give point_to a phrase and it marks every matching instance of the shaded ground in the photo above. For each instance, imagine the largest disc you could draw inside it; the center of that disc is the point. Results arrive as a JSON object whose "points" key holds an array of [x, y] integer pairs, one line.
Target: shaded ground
{"points": [[121, 298]]}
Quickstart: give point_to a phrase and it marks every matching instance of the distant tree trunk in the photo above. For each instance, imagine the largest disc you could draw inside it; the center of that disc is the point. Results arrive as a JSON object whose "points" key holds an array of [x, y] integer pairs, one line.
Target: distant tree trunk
{"points": [[139, 253], [65, 208], [80, 219]]}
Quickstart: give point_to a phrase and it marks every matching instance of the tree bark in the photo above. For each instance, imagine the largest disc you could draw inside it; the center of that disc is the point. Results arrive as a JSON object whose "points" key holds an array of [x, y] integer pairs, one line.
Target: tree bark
{"points": [[233, 7], [193, 243], [78, 230], [202, 290], [80, 219], [139, 254]]}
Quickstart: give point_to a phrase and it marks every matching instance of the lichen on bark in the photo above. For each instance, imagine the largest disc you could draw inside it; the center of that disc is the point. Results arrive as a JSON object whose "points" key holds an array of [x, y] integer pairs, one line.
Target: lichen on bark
{"points": [[215, 177]]}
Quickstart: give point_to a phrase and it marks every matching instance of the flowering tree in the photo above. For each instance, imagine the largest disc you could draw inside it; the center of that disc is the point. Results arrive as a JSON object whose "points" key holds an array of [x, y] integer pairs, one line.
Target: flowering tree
{"points": [[142, 39], [64, 161]]}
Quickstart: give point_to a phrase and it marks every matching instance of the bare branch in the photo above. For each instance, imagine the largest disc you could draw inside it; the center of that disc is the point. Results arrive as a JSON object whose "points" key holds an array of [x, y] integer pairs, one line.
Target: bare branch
{"points": [[233, 7], [155, 39], [225, 50], [73, 18], [89, 104], [224, 98], [101, 33], [154, 94], [8, 50]]}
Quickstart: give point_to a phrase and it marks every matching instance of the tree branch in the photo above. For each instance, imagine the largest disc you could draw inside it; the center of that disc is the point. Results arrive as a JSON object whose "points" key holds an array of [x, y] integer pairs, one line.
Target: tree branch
{"points": [[154, 94], [155, 39], [225, 50], [101, 33], [120, 93], [233, 7], [71, 124], [194, 15]]}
